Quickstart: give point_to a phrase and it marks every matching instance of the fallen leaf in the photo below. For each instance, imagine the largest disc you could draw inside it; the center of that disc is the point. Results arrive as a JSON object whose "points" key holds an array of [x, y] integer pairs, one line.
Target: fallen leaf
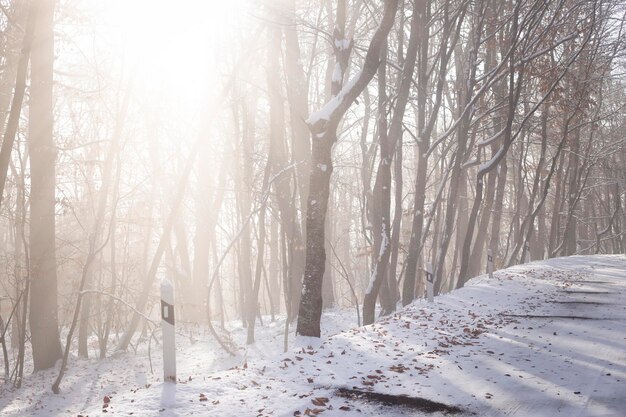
{"points": [[320, 401]]}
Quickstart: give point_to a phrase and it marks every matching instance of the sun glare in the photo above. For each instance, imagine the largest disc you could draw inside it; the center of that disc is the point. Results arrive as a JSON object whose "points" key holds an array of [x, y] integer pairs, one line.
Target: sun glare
{"points": [[173, 48]]}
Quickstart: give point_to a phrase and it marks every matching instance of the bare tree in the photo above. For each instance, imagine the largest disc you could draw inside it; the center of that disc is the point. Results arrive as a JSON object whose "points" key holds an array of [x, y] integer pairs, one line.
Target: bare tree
{"points": [[323, 125]]}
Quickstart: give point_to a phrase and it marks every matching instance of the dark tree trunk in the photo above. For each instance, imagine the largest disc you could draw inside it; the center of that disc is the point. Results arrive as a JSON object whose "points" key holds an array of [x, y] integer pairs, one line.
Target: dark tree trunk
{"points": [[508, 137], [498, 211], [311, 301], [528, 224], [422, 10], [380, 206], [328, 291], [323, 125], [570, 233], [396, 225]]}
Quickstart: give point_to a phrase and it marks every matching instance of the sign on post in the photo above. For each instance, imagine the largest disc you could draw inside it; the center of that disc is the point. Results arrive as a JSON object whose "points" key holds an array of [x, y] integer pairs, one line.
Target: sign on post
{"points": [[429, 282], [490, 263], [168, 328]]}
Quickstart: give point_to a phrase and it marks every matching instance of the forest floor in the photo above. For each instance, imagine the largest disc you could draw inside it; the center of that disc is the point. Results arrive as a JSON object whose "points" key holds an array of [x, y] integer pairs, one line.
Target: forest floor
{"points": [[542, 339]]}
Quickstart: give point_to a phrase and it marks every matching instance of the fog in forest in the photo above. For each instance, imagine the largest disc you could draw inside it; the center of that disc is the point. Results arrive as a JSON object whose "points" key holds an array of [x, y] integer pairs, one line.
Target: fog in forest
{"points": [[291, 170]]}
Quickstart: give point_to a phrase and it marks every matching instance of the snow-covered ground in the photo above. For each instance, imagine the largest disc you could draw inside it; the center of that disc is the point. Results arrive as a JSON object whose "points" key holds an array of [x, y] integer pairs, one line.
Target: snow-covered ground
{"points": [[541, 339]]}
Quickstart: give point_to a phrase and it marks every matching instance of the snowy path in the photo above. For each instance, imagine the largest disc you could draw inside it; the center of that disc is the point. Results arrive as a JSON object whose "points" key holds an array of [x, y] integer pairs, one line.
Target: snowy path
{"points": [[542, 339], [562, 353], [562, 365]]}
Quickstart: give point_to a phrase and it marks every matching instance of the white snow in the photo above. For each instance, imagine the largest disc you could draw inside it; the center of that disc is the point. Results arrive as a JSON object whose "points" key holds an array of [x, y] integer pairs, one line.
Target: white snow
{"points": [[383, 247], [342, 44], [543, 339], [384, 241], [492, 139], [333, 104], [325, 112], [337, 73], [470, 162], [490, 164]]}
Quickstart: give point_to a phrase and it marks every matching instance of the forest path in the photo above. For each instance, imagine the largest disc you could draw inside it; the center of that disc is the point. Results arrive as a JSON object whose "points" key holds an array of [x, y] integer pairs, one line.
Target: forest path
{"points": [[567, 357], [542, 339]]}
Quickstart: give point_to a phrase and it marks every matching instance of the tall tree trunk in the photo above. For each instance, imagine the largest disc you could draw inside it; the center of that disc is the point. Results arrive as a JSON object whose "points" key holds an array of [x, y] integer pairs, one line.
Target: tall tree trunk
{"points": [[476, 259], [381, 215], [570, 232], [110, 311], [528, 225], [44, 324], [252, 302], [328, 291], [274, 268], [422, 15], [424, 130], [380, 205], [244, 186], [507, 139], [396, 225], [323, 125], [297, 95], [497, 219], [556, 205]]}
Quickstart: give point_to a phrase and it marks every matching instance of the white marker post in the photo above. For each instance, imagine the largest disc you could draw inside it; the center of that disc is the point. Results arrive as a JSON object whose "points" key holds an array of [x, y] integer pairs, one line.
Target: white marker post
{"points": [[526, 253], [490, 263], [169, 335], [429, 282]]}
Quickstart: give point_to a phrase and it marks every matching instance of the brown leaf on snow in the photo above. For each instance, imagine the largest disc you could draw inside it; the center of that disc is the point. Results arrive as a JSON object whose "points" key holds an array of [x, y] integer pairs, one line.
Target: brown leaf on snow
{"points": [[398, 368], [319, 401]]}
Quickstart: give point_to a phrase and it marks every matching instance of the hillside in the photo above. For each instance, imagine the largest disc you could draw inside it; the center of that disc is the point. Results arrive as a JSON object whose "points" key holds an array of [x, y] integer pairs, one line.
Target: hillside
{"points": [[542, 339]]}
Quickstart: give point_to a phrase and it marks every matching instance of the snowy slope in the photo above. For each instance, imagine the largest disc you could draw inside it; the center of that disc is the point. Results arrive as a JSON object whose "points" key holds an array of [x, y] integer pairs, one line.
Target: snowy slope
{"points": [[542, 339]]}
